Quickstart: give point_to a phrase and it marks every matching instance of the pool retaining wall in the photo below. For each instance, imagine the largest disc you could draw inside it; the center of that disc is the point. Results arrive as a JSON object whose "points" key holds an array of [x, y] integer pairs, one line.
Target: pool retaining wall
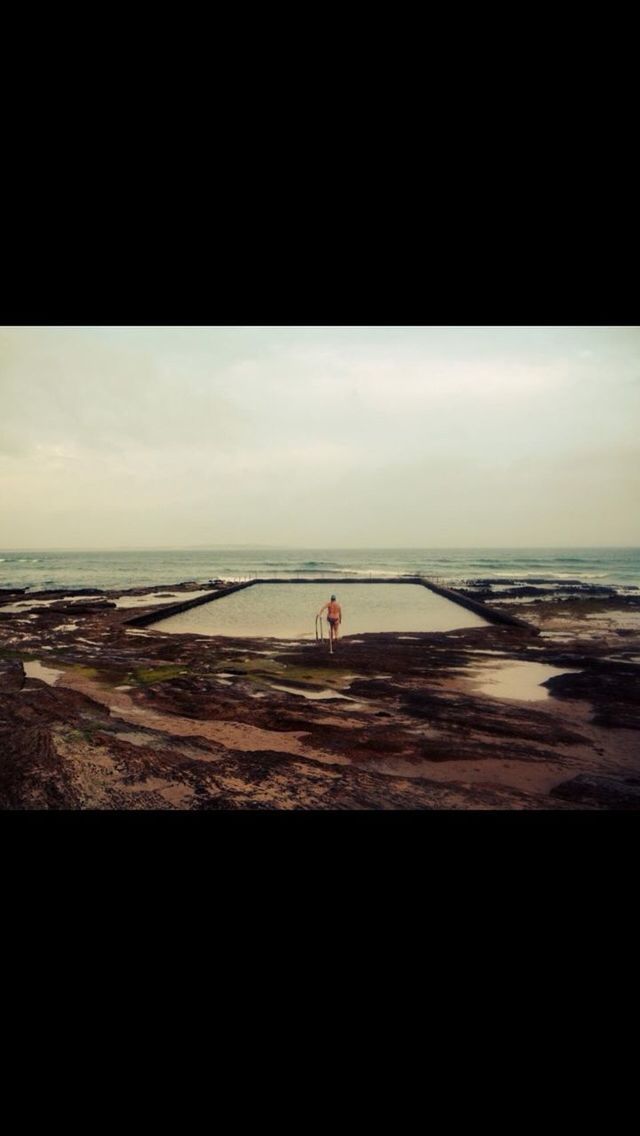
{"points": [[476, 606], [488, 613], [185, 605]]}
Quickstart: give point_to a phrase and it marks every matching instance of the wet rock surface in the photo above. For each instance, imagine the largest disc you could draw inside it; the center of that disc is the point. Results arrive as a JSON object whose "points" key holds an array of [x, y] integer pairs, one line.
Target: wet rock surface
{"points": [[612, 687], [623, 793], [137, 719]]}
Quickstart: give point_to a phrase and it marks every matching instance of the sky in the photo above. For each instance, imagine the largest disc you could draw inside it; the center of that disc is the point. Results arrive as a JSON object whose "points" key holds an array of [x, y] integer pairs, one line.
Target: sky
{"points": [[344, 437]]}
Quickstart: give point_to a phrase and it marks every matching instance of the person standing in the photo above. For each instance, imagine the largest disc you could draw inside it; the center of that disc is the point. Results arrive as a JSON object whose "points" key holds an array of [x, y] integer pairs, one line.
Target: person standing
{"points": [[334, 619]]}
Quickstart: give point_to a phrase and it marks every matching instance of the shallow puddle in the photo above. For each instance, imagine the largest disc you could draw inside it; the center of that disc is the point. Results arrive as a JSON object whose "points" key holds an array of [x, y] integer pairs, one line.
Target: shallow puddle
{"points": [[30, 605], [313, 695], [46, 674], [477, 651], [518, 680], [156, 600]]}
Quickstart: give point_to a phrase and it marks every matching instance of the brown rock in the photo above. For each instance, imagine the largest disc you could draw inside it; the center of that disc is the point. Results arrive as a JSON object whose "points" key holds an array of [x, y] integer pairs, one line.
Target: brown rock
{"points": [[32, 776], [608, 792], [11, 675]]}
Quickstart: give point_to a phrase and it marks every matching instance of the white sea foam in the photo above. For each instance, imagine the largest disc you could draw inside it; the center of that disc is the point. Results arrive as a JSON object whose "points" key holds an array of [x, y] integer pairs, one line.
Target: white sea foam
{"points": [[125, 569]]}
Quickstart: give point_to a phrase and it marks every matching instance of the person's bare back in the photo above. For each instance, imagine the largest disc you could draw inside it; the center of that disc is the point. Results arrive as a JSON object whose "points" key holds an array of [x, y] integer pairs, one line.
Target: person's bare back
{"points": [[334, 618]]}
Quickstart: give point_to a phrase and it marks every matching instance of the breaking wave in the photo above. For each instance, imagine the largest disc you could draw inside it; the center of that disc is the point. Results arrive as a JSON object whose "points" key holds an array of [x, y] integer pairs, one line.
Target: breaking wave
{"points": [[618, 568]]}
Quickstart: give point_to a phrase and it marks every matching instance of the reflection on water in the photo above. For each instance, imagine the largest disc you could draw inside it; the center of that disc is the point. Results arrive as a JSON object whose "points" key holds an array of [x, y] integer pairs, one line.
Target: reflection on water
{"points": [[288, 611]]}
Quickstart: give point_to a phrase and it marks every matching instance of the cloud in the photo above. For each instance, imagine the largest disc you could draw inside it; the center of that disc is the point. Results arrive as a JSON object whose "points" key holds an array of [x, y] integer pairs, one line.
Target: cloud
{"points": [[64, 386], [334, 435]]}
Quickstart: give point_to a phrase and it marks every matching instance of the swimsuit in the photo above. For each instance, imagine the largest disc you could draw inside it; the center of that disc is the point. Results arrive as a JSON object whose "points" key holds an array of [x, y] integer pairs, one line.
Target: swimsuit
{"points": [[333, 616]]}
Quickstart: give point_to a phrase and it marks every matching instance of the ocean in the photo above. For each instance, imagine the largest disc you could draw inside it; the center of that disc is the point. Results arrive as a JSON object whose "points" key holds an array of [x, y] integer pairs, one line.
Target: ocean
{"points": [[50, 569]]}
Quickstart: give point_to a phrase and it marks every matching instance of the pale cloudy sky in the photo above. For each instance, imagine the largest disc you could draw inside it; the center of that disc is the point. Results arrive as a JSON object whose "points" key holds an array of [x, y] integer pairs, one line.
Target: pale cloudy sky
{"points": [[319, 436]]}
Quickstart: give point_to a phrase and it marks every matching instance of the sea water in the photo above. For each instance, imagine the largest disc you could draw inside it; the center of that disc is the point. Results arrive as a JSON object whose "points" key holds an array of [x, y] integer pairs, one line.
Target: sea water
{"points": [[115, 568]]}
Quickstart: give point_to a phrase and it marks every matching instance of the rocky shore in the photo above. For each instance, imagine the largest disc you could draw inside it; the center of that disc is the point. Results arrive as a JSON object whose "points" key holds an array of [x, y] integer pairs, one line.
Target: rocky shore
{"points": [[98, 714]]}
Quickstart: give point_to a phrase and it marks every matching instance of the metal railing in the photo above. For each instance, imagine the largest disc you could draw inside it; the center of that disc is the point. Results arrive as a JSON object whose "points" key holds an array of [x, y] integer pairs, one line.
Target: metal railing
{"points": [[320, 634]]}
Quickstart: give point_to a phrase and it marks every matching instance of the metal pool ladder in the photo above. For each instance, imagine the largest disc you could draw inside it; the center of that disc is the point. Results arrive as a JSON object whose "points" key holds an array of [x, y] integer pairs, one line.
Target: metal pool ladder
{"points": [[320, 637]]}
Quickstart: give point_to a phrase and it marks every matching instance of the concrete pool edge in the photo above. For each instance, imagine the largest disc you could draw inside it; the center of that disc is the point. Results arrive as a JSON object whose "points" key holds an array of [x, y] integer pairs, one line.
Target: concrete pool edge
{"points": [[475, 606], [185, 605], [488, 613]]}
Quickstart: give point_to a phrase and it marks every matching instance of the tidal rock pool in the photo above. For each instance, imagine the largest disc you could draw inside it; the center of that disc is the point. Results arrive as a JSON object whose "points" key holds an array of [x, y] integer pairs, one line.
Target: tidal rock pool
{"points": [[288, 611]]}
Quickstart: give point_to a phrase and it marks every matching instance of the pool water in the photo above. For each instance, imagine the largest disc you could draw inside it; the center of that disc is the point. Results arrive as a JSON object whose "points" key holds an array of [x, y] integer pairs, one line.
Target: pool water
{"points": [[288, 611]]}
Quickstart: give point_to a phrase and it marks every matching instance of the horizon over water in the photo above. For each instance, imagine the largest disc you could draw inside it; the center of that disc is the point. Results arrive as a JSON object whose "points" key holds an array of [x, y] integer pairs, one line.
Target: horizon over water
{"points": [[40, 569]]}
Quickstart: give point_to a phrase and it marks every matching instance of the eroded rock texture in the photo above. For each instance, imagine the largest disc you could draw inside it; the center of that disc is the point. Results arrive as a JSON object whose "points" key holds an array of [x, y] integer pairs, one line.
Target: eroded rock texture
{"points": [[124, 717]]}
